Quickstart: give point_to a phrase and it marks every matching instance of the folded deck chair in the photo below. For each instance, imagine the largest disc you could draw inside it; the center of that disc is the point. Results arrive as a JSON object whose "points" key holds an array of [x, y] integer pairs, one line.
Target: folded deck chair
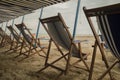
{"points": [[108, 18], [5, 39], [61, 37], [32, 42], [17, 40]]}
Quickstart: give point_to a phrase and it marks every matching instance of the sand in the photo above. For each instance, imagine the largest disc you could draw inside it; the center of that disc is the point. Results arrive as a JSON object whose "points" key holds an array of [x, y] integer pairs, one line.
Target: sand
{"points": [[12, 69]]}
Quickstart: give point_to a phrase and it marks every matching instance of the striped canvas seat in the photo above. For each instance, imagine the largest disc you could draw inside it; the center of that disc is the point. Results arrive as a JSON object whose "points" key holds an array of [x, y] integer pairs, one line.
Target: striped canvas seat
{"points": [[30, 42], [22, 29], [60, 35], [15, 34], [110, 28]]}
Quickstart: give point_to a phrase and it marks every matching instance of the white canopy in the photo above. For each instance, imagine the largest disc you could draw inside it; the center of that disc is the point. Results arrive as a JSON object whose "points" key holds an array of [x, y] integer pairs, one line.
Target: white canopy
{"points": [[10, 9]]}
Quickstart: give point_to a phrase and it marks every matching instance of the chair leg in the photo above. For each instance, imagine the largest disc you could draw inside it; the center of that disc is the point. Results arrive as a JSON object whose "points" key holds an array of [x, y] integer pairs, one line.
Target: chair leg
{"points": [[2, 42], [102, 45], [31, 47], [93, 61], [68, 60], [48, 52], [21, 48], [106, 64], [30, 50], [52, 63], [11, 46], [108, 70], [83, 60]]}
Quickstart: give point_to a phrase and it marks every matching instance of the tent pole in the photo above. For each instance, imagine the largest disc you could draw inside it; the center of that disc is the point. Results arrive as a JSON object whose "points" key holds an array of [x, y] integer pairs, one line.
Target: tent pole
{"points": [[76, 18], [23, 19], [41, 12]]}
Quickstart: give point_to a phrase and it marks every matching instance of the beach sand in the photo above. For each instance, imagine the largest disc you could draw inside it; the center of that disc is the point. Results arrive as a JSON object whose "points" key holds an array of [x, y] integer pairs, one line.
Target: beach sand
{"points": [[12, 69]]}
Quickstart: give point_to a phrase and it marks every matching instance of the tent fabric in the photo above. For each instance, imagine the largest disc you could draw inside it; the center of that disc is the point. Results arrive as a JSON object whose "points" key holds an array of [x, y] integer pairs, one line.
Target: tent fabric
{"points": [[109, 26], [11, 9]]}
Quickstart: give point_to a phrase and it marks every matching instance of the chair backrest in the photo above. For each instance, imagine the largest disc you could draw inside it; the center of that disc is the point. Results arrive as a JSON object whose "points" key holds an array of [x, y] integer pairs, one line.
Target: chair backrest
{"points": [[14, 33], [59, 33], [22, 28], [108, 19]]}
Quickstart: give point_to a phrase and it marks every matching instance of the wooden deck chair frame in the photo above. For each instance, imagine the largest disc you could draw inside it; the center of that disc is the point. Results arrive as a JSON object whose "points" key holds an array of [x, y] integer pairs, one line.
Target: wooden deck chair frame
{"points": [[66, 56], [104, 45], [17, 40], [1, 36], [5, 39], [94, 13], [30, 45], [1, 32]]}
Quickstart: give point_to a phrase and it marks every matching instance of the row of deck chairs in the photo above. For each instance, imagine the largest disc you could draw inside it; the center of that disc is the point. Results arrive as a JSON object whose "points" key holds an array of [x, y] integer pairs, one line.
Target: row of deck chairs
{"points": [[108, 21], [27, 45], [59, 35]]}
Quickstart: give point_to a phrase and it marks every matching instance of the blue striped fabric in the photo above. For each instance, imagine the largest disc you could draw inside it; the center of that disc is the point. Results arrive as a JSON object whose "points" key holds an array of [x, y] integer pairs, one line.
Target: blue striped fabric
{"points": [[109, 26], [23, 32]]}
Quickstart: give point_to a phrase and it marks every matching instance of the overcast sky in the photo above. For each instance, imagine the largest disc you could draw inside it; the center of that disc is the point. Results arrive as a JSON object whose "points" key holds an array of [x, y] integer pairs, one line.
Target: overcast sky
{"points": [[68, 10]]}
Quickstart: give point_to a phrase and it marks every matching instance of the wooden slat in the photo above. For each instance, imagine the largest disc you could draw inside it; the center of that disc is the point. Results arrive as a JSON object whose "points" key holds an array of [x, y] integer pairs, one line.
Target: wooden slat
{"points": [[3, 15], [4, 19], [10, 13], [12, 4], [34, 3], [22, 4], [15, 9]]}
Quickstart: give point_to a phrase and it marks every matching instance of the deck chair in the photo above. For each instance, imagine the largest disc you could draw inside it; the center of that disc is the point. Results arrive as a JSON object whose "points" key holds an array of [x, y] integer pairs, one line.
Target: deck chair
{"points": [[61, 37], [33, 43], [108, 18], [5, 38], [17, 40]]}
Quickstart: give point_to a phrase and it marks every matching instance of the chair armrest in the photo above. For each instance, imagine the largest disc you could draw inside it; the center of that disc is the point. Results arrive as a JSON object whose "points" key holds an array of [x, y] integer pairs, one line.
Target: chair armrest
{"points": [[103, 42], [76, 41], [79, 41], [68, 27]]}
